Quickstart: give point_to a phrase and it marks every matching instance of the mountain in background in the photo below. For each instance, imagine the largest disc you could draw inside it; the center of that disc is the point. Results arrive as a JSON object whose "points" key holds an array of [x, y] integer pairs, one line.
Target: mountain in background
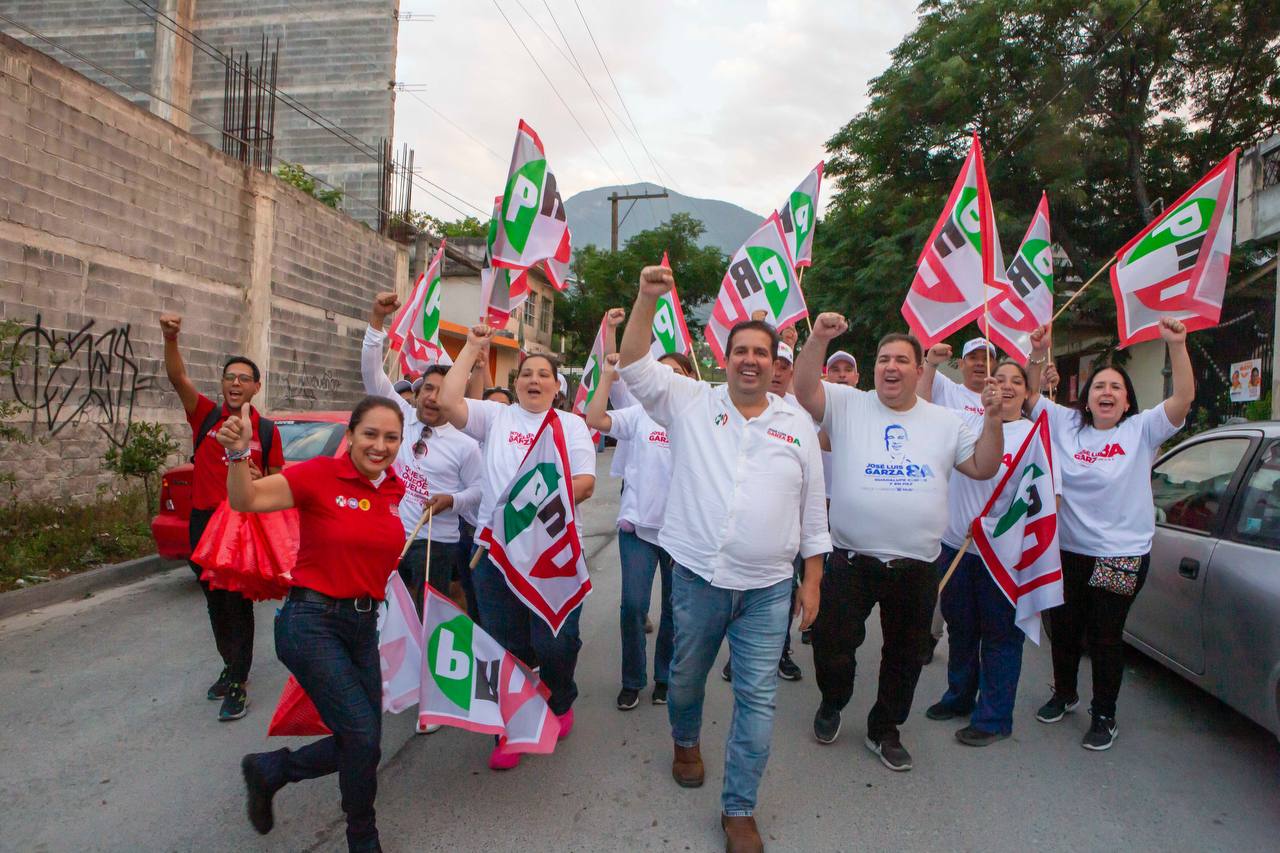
{"points": [[727, 224]]}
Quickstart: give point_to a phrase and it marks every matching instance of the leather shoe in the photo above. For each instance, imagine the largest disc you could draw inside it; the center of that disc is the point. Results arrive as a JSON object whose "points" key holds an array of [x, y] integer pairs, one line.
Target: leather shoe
{"points": [[741, 835], [687, 767]]}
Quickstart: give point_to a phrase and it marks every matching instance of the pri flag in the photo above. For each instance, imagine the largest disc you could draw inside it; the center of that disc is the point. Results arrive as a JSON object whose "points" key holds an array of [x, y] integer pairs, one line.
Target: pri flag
{"points": [[761, 277], [799, 216], [1177, 265], [531, 226], [470, 681], [1026, 303], [591, 375], [961, 258], [502, 290], [399, 647], [533, 535], [670, 333], [1017, 533], [416, 329]]}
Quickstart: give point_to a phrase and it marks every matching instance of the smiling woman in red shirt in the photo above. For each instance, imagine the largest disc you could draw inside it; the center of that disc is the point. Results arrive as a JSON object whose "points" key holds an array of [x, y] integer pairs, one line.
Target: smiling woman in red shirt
{"points": [[350, 538]]}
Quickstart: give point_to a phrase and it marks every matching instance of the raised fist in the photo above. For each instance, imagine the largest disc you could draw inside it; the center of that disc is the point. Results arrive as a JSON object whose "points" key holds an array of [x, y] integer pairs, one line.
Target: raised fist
{"points": [[938, 353], [1041, 338], [384, 305], [656, 281], [1173, 331], [829, 326], [615, 317], [170, 326], [479, 335]]}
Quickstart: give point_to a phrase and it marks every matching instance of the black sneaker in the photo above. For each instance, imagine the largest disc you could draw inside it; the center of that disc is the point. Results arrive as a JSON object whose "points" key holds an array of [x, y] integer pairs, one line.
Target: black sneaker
{"points": [[659, 693], [970, 736], [235, 704], [1101, 734], [219, 688], [826, 724], [727, 673], [628, 699], [260, 794], [933, 644], [806, 636], [1056, 708], [788, 669], [892, 753], [945, 711]]}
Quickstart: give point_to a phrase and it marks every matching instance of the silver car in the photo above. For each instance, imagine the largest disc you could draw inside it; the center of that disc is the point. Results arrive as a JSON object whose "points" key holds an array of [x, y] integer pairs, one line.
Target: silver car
{"points": [[1210, 609]]}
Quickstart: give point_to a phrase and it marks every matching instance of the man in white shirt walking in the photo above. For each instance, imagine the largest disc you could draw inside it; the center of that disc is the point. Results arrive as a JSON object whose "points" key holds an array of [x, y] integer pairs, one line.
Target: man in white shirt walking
{"points": [[746, 496], [892, 455]]}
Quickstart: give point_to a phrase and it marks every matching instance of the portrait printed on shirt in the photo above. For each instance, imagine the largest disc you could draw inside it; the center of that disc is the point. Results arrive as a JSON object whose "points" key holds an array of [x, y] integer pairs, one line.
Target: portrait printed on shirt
{"points": [[894, 471]]}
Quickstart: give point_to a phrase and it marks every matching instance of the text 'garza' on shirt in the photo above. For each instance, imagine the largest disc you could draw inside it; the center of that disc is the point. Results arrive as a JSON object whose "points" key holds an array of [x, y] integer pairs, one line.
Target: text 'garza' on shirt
{"points": [[746, 495], [647, 472]]}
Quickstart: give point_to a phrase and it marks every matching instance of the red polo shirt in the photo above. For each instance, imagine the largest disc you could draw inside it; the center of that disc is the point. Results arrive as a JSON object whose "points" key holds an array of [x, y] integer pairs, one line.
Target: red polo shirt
{"points": [[209, 482], [349, 531]]}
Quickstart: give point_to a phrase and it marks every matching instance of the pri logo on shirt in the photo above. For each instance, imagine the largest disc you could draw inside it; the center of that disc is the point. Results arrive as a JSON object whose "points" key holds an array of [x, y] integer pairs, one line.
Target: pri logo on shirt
{"points": [[722, 419], [352, 503], [1109, 451]]}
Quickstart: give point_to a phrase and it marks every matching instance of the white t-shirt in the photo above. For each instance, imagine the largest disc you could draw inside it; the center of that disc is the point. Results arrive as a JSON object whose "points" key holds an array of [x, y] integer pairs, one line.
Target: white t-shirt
{"points": [[952, 395], [1107, 509], [620, 398], [506, 433], [648, 471], [890, 471]]}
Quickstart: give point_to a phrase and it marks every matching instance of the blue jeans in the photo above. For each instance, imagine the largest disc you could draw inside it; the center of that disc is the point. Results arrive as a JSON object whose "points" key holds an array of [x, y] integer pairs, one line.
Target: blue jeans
{"points": [[639, 560], [333, 652], [755, 622], [524, 633], [985, 644]]}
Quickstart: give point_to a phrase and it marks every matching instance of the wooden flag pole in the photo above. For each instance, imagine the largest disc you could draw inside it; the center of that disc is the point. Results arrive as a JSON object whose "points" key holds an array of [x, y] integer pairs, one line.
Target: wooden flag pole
{"points": [[800, 284], [426, 517], [951, 570], [1082, 289]]}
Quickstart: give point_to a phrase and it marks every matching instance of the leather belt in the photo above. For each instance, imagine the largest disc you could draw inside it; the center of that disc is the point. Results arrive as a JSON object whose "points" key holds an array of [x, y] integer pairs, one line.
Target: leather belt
{"points": [[363, 604], [895, 563]]}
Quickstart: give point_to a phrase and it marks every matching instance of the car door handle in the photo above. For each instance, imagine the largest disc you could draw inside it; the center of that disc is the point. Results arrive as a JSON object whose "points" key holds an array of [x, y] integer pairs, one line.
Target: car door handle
{"points": [[1189, 568]]}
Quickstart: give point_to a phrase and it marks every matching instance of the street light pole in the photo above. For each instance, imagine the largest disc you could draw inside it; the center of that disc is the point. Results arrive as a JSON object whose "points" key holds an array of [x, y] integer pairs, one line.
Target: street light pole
{"points": [[614, 198]]}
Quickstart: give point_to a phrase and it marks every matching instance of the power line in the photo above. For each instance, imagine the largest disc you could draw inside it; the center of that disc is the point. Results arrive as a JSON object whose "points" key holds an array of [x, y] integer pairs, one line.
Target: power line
{"points": [[450, 122]]}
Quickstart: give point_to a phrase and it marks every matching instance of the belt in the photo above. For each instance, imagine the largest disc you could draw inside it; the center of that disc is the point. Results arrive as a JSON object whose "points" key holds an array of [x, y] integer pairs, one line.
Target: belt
{"points": [[895, 563], [363, 604]]}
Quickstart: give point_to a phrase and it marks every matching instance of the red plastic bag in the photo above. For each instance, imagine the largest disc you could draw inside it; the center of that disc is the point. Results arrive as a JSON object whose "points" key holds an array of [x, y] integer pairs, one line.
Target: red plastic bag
{"points": [[296, 714], [249, 553]]}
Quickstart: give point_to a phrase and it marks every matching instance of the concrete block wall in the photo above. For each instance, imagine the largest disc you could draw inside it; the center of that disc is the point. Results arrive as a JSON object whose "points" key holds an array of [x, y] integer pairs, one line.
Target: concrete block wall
{"points": [[110, 216]]}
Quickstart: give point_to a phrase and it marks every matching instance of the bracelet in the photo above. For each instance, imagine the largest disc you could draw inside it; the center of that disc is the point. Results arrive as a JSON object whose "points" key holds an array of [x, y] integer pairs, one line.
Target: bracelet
{"points": [[1041, 360], [237, 455]]}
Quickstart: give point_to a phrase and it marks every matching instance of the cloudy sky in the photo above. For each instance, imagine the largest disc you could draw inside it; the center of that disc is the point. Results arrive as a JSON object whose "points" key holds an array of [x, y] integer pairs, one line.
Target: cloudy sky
{"points": [[733, 98]]}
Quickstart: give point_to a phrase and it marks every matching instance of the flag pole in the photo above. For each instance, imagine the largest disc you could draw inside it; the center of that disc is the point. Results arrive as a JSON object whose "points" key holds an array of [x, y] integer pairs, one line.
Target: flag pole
{"points": [[1076, 295], [800, 285], [951, 570], [426, 516]]}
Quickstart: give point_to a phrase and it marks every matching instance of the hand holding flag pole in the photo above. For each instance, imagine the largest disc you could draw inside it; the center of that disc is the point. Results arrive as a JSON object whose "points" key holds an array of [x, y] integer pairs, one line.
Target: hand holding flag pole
{"points": [[425, 519]]}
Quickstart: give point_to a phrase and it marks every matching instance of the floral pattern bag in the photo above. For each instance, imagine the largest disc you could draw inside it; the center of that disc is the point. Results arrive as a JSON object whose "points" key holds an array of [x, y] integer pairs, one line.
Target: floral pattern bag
{"points": [[1116, 574]]}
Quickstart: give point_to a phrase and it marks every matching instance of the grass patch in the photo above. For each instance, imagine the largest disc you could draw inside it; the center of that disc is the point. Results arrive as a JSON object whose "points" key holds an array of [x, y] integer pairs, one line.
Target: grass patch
{"points": [[44, 541]]}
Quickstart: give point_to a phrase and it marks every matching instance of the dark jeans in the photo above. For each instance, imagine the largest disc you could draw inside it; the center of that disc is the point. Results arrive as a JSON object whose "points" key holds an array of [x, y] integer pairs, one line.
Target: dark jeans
{"points": [[466, 545], [415, 572], [333, 652], [640, 561], [1094, 616], [985, 657], [796, 577], [850, 590], [230, 613], [524, 633]]}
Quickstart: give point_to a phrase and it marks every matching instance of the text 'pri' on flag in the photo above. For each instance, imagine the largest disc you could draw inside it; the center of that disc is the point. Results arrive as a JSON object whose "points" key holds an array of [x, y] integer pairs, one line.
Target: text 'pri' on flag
{"points": [[1017, 533], [591, 373], [470, 681], [533, 535], [531, 224], [670, 332], [1017, 310], [799, 217], [1177, 265]]}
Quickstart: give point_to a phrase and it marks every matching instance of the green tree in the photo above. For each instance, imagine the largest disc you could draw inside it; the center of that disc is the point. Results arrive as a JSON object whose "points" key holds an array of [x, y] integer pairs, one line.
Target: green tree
{"points": [[606, 279], [142, 456], [1146, 113]]}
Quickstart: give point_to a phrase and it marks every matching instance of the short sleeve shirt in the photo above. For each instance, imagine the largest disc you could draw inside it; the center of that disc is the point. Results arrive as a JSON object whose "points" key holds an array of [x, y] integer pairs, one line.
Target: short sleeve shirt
{"points": [[953, 395], [648, 470], [349, 530], [209, 481]]}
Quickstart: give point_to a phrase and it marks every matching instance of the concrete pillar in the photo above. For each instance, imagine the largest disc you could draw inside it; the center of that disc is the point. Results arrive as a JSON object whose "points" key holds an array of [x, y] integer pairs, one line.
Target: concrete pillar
{"points": [[171, 62], [256, 334]]}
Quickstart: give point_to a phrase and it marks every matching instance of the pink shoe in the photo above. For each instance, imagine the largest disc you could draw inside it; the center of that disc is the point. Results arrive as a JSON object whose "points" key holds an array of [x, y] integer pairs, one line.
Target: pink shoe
{"points": [[566, 723], [500, 759]]}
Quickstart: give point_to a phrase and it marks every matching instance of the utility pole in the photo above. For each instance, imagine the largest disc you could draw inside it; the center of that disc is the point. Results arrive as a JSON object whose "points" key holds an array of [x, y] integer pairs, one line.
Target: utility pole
{"points": [[613, 220]]}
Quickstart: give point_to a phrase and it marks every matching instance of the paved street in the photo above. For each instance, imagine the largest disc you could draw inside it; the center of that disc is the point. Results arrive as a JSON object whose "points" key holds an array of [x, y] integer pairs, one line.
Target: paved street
{"points": [[109, 744]]}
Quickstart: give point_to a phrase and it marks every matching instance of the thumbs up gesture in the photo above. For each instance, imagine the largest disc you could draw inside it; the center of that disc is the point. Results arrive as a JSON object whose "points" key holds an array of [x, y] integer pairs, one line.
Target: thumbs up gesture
{"points": [[236, 431]]}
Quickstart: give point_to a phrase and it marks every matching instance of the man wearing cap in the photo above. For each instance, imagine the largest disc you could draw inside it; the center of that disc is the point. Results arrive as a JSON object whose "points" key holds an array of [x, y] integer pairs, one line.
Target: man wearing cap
{"points": [[842, 369], [404, 390], [967, 395]]}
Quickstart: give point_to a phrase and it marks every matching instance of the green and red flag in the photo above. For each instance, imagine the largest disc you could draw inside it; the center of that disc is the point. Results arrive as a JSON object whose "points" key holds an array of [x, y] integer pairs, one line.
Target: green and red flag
{"points": [[591, 372], [1177, 265], [799, 216], [670, 333], [531, 225], [470, 681], [1017, 532], [416, 328], [761, 277], [502, 290], [533, 535], [1017, 310], [960, 260]]}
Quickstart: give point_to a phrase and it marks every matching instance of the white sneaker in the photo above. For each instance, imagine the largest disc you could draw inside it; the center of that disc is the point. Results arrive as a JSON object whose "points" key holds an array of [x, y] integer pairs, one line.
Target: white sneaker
{"points": [[429, 730]]}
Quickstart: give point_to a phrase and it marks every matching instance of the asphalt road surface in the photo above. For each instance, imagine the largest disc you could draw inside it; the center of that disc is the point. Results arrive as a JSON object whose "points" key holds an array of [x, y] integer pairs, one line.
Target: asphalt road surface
{"points": [[109, 744]]}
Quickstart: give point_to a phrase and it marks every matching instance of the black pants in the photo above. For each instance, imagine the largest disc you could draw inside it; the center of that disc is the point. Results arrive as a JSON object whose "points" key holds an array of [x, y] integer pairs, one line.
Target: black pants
{"points": [[1095, 616], [415, 572], [230, 613], [906, 595], [466, 543]]}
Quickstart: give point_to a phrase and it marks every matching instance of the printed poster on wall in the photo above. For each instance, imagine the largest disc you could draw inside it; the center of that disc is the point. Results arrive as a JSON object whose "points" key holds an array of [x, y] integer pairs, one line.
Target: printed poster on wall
{"points": [[1246, 380]]}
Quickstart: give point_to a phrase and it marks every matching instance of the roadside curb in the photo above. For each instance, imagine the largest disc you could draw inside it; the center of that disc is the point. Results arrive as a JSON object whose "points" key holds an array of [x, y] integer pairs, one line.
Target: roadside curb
{"points": [[82, 585]]}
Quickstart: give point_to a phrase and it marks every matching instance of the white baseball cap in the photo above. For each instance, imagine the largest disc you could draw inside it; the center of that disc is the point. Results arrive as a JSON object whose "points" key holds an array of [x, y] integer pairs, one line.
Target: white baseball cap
{"points": [[841, 355], [785, 352], [974, 345]]}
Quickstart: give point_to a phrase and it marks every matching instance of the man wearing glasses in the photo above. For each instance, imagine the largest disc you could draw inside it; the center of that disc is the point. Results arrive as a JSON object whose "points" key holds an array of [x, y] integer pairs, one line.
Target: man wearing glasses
{"points": [[230, 613]]}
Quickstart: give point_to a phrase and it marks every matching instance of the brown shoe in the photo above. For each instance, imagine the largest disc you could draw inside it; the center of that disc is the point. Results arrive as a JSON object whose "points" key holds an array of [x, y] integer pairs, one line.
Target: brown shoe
{"points": [[741, 835], [687, 768]]}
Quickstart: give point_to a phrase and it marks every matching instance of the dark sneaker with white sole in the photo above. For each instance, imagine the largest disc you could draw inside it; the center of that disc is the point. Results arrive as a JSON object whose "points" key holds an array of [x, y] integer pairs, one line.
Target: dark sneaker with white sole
{"points": [[219, 688], [789, 669], [260, 793], [945, 711], [1056, 708], [826, 724], [235, 704], [1101, 734], [659, 693], [970, 736], [892, 753], [628, 699]]}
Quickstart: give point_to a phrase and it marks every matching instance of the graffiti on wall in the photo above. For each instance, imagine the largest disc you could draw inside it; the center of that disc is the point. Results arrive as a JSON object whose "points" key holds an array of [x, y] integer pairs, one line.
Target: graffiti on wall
{"points": [[304, 389]]}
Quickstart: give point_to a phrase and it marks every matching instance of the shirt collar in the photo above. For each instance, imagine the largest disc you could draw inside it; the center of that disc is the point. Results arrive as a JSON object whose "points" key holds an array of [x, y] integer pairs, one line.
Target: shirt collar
{"points": [[347, 471]]}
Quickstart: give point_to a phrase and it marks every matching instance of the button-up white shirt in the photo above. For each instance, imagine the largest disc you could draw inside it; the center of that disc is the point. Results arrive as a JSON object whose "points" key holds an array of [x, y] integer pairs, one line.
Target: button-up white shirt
{"points": [[746, 494]]}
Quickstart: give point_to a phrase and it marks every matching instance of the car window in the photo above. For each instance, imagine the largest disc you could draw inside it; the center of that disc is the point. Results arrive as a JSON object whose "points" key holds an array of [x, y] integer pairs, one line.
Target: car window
{"points": [[305, 440], [1259, 522], [1189, 487]]}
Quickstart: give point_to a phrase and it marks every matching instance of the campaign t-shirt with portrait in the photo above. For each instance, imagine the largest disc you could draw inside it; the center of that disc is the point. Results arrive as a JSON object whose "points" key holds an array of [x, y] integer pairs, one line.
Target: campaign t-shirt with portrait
{"points": [[1107, 509], [890, 471], [648, 470], [209, 462], [952, 395], [506, 433]]}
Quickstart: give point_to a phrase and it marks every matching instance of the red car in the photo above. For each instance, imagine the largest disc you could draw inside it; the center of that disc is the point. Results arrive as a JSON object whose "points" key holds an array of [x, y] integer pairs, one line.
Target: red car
{"points": [[303, 436]]}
